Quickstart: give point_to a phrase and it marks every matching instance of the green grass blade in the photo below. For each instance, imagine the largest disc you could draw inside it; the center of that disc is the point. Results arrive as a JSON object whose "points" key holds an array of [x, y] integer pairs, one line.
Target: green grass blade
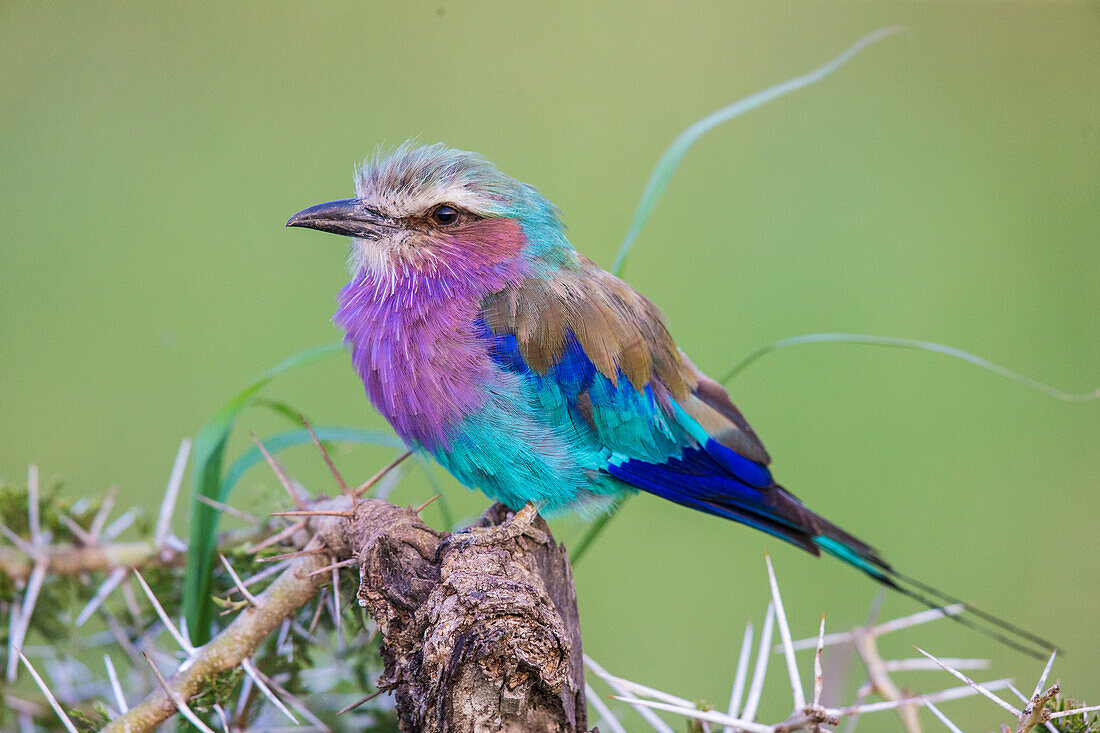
{"points": [[670, 160], [206, 474], [900, 343], [594, 531], [280, 408]]}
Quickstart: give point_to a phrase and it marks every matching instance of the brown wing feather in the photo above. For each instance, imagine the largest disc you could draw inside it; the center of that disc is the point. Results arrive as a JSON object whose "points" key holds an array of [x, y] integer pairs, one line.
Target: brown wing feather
{"points": [[618, 330]]}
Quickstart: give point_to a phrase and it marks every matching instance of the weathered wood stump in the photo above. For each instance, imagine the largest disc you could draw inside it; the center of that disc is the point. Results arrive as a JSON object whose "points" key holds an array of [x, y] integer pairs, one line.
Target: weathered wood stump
{"points": [[479, 634]]}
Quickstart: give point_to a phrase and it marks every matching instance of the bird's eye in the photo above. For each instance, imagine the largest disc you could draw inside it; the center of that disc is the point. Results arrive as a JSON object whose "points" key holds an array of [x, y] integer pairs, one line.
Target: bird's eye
{"points": [[445, 215]]}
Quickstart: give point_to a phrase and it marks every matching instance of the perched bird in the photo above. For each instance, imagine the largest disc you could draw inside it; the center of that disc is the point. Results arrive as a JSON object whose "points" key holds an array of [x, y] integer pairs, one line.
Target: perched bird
{"points": [[530, 373]]}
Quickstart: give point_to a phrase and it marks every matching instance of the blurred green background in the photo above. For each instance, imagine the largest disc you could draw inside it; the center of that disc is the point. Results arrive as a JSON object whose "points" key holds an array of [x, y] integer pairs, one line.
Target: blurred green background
{"points": [[945, 185]]}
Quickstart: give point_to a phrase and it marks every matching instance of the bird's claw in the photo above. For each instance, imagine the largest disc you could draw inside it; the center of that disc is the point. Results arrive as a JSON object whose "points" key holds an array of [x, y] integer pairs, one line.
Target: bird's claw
{"points": [[518, 525]]}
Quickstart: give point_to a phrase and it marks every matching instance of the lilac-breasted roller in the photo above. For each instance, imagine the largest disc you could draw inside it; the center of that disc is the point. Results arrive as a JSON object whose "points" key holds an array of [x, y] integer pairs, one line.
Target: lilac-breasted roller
{"points": [[528, 372]]}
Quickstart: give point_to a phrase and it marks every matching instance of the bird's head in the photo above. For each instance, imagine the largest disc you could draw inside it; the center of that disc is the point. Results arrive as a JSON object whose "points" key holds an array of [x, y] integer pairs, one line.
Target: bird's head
{"points": [[432, 209]]}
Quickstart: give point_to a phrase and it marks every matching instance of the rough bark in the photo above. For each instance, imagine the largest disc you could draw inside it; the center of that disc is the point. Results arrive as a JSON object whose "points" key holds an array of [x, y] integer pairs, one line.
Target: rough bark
{"points": [[480, 631]]}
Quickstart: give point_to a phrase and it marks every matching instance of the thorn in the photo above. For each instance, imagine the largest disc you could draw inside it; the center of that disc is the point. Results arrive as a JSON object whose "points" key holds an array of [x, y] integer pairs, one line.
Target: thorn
{"points": [[49, 695], [785, 636], [20, 624], [625, 686], [26, 547], [913, 664], [328, 462], [337, 619], [178, 701], [756, 688], [378, 476], [943, 718], [1075, 711], [354, 705], [168, 506], [112, 675], [221, 716], [298, 705], [606, 715], [291, 555], [260, 679], [427, 504], [741, 675], [921, 617], [615, 684], [100, 519], [983, 691], [105, 589], [818, 674], [33, 519], [257, 577], [953, 693], [231, 511], [84, 536], [1043, 676], [115, 528], [342, 564], [279, 473], [237, 582], [694, 712], [184, 644], [317, 612], [313, 513], [278, 537]]}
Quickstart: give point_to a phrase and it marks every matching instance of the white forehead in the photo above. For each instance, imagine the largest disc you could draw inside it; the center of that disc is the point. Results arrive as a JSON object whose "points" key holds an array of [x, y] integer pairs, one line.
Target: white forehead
{"points": [[410, 181]]}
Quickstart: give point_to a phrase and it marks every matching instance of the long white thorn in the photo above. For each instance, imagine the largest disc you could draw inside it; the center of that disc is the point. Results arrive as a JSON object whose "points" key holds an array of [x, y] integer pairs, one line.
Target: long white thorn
{"points": [[168, 506], [1075, 711], [106, 588], [613, 682], [943, 718], [112, 675], [49, 695], [115, 528], [226, 509], [86, 538], [710, 716], [981, 690], [604, 711], [336, 615], [737, 694], [819, 675], [298, 705], [785, 635], [33, 519], [756, 689], [184, 643], [237, 581], [177, 700], [916, 619], [1043, 677], [258, 678], [222, 717], [26, 547], [22, 622], [952, 693], [100, 519], [914, 664]]}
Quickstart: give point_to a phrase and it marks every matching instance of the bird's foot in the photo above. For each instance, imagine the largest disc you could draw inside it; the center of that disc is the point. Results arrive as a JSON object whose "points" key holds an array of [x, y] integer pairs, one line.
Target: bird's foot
{"points": [[519, 524]]}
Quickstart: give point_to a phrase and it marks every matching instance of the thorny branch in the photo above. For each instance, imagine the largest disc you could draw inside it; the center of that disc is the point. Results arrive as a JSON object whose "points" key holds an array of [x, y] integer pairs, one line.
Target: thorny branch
{"points": [[480, 628]]}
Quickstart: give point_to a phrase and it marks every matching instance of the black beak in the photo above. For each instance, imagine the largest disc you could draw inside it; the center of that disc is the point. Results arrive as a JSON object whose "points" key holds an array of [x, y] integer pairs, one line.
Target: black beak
{"points": [[348, 217]]}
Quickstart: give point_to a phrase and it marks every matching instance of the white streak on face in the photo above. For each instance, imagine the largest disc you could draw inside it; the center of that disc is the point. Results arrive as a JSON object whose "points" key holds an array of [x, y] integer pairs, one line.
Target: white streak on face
{"points": [[408, 184]]}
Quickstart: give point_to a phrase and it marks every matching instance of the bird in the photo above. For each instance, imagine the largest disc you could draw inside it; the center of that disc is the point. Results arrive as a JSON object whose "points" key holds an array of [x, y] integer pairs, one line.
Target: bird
{"points": [[491, 345]]}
